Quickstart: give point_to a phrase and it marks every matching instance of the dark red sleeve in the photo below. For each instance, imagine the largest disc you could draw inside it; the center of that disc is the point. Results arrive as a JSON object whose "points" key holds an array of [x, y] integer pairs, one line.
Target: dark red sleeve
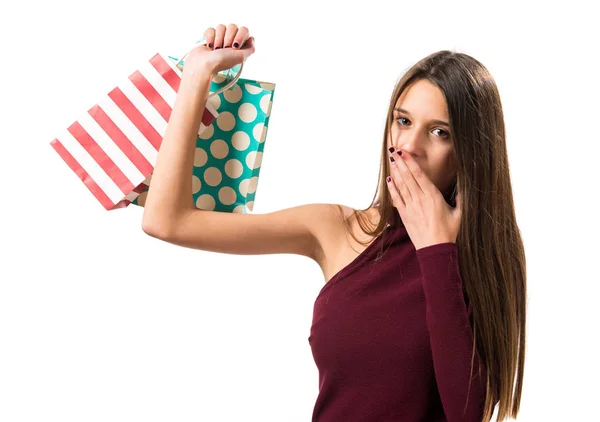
{"points": [[450, 333]]}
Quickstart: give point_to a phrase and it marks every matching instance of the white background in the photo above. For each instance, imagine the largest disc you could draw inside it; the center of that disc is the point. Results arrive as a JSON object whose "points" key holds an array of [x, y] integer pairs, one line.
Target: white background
{"points": [[101, 322]]}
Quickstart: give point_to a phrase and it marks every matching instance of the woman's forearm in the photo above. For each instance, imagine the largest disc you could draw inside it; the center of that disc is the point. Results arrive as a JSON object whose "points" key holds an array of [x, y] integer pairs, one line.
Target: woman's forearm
{"points": [[170, 193]]}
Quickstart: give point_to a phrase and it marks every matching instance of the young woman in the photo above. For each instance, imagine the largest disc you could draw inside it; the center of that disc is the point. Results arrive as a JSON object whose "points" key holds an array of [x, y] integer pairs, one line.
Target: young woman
{"points": [[422, 317]]}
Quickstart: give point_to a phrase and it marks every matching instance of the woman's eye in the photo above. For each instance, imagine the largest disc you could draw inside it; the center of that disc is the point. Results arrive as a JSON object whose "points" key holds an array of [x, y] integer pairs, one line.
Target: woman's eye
{"points": [[445, 134]]}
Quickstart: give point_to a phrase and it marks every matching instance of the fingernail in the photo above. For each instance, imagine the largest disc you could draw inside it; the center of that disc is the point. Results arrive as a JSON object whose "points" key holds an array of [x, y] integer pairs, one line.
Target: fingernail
{"points": [[216, 48], [209, 45], [235, 45], [391, 149], [392, 158], [399, 152]]}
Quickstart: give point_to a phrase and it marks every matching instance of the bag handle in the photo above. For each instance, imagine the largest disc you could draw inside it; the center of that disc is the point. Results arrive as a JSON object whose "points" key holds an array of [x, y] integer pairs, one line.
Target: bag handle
{"points": [[226, 87]]}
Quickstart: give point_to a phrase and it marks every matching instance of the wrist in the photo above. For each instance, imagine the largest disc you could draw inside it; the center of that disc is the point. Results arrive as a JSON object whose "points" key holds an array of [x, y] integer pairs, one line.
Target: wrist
{"points": [[198, 77]]}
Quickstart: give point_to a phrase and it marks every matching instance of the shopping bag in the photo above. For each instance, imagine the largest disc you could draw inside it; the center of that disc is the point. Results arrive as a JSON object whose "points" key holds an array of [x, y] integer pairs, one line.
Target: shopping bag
{"points": [[229, 153], [113, 147]]}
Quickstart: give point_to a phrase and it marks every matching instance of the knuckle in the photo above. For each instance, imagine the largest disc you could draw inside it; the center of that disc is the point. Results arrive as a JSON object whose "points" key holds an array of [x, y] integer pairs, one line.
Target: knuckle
{"points": [[232, 26], [220, 27]]}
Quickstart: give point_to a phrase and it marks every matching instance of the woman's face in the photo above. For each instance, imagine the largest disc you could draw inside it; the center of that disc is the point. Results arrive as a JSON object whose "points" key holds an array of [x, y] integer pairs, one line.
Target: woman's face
{"points": [[414, 130]]}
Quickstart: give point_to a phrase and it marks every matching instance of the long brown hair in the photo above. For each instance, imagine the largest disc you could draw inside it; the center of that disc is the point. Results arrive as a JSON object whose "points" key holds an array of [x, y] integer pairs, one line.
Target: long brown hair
{"points": [[491, 251]]}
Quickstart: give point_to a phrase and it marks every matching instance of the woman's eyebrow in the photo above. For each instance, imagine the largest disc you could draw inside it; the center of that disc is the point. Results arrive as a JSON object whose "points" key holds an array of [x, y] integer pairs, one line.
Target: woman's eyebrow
{"points": [[439, 122]]}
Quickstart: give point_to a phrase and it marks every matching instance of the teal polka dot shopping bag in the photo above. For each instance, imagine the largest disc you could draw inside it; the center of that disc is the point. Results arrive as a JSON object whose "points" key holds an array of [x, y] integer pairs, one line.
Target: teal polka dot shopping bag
{"points": [[229, 152]]}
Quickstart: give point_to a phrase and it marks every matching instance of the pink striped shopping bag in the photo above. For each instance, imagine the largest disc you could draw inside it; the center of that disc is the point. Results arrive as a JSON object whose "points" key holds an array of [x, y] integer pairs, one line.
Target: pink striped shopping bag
{"points": [[113, 147]]}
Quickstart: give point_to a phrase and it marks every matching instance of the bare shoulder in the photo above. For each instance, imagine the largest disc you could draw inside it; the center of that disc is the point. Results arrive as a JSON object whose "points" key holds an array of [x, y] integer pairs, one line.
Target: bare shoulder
{"points": [[334, 244]]}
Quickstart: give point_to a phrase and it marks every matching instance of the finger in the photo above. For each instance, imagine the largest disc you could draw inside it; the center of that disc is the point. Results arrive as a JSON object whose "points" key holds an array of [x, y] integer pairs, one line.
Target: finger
{"points": [[458, 201], [219, 35], [210, 37], [396, 197], [230, 33], [241, 37], [248, 48], [415, 177], [398, 179]]}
